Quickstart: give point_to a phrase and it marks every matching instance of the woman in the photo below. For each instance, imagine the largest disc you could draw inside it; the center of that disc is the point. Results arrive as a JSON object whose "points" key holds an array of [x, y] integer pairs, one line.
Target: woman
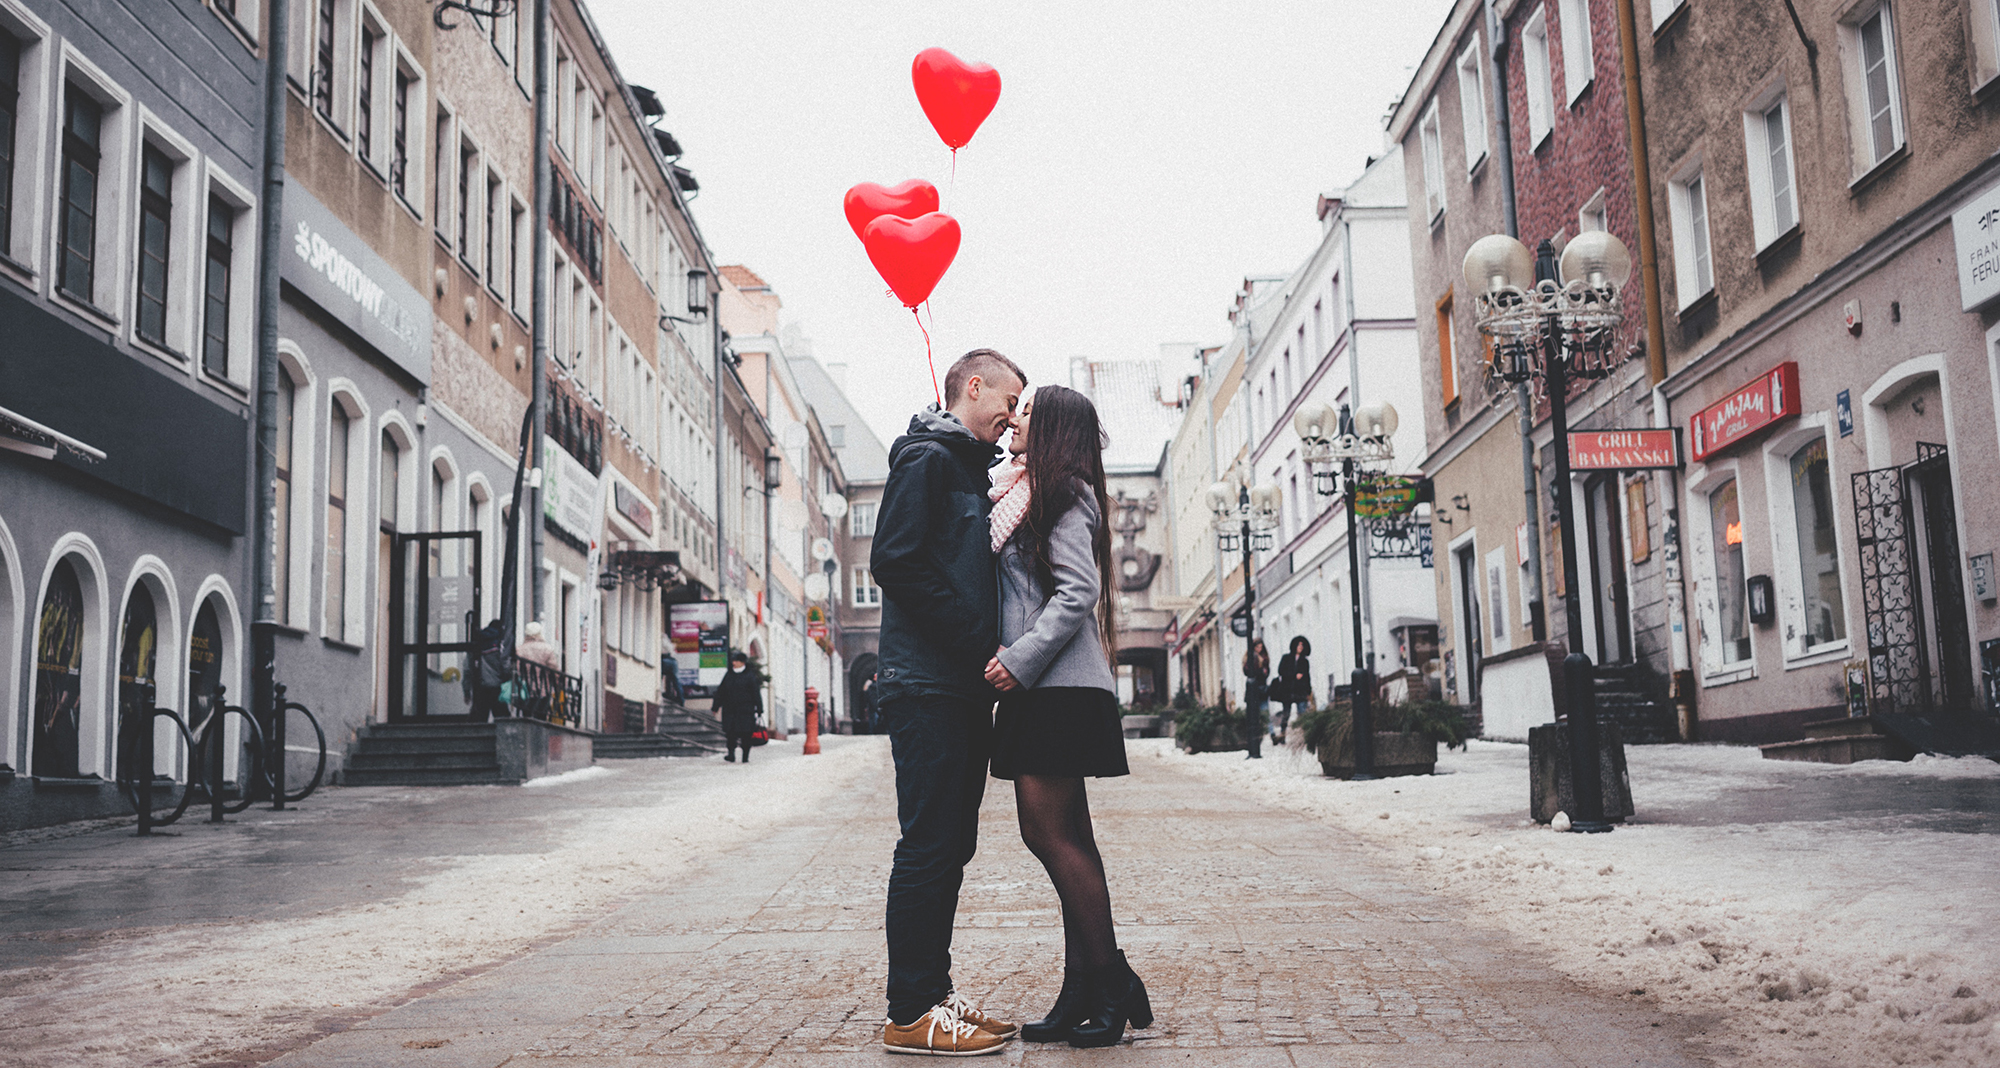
{"points": [[1256, 695], [1058, 719], [1295, 684]]}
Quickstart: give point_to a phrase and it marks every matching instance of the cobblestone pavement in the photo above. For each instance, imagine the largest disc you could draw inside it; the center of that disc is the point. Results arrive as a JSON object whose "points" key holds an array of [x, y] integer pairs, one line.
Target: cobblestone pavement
{"points": [[1264, 938]]}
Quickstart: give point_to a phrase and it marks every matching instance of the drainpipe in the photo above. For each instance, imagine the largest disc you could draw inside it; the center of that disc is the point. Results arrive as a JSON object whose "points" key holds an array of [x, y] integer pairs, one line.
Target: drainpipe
{"points": [[1665, 483], [538, 368], [270, 246], [1524, 398]]}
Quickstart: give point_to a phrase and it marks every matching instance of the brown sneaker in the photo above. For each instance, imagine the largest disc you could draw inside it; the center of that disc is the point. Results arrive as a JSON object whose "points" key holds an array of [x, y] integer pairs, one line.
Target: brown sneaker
{"points": [[970, 1014], [940, 1033]]}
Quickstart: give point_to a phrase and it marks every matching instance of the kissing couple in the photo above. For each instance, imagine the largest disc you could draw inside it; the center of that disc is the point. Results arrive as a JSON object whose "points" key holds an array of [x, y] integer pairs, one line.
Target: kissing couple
{"points": [[995, 586]]}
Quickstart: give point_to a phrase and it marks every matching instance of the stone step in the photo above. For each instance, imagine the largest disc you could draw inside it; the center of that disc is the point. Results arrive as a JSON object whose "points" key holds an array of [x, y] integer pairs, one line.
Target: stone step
{"points": [[469, 776], [1844, 727], [643, 746], [1841, 749], [378, 761], [459, 744]]}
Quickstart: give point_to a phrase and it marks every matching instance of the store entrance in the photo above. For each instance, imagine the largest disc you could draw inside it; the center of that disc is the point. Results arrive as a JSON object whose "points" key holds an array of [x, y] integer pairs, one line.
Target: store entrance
{"points": [[433, 624], [1607, 570]]}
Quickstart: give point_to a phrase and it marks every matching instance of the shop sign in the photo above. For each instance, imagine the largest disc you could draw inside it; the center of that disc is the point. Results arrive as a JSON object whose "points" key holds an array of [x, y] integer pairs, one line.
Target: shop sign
{"points": [[1747, 411], [1387, 497], [699, 631], [816, 624], [327, 263], [569, 492], [1624, 450], [1975, 230], [633, 506]]}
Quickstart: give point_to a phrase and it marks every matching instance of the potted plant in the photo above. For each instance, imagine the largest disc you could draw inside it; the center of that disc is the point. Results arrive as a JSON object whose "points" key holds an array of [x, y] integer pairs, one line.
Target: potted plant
{"points": [[1208, 729], [1406, 737]]}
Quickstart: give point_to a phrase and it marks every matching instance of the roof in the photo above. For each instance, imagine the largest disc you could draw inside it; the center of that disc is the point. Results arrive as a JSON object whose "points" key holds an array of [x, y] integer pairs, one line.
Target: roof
{"points": [[862, 455], [743, 277]]}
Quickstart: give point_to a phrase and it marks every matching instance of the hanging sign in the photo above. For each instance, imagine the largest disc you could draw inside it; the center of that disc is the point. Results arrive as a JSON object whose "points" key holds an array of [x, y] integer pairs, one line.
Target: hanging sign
{"points": [[1624, 450], [1747, 411], [1386, 497], [816, 624]]}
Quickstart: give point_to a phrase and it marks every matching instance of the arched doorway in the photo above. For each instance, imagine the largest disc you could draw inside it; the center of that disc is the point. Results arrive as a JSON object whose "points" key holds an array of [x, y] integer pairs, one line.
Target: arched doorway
{"points": [[138, 655], [861, 702], [59, 676]]}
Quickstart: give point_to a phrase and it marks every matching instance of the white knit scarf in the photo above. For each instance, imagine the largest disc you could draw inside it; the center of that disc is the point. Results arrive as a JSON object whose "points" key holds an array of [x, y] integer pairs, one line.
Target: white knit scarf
{"points": [[1010, 499]]}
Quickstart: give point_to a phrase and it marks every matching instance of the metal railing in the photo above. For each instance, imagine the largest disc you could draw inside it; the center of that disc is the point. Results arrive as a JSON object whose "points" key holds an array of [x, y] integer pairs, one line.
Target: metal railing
{"points": [[545, 693]]}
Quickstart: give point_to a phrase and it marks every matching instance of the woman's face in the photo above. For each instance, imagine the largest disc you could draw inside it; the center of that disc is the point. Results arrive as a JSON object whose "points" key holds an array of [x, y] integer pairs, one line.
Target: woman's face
{"points": [[1018, 444]]}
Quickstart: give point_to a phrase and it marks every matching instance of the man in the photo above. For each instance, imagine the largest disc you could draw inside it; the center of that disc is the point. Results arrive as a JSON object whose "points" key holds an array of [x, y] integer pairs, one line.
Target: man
{"points": [[738, 703], [940, 625]]}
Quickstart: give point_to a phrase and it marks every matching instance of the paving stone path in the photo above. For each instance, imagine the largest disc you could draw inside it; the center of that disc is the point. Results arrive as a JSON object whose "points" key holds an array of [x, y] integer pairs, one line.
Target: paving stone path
{"points": [[1264, 938]]}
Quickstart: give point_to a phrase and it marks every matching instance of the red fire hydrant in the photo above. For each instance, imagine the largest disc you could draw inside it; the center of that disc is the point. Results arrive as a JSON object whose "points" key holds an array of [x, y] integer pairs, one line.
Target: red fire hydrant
{"points": [[812, 721]]}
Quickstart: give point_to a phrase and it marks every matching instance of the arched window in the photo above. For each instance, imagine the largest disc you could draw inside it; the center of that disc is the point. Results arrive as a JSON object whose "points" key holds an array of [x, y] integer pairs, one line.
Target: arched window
{"points": [[138, 655], [281, 544], [59, 676], [338, 430]]}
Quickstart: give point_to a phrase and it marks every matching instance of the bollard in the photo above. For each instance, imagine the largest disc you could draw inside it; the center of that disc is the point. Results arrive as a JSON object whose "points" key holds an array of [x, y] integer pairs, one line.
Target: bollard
{"points": [[812, 721]]}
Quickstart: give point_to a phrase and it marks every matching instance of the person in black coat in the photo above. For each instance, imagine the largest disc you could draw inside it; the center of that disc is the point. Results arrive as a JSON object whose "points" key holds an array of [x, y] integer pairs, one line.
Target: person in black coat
{"points": [[1256, 694], [738, 702], [1293, 688]]}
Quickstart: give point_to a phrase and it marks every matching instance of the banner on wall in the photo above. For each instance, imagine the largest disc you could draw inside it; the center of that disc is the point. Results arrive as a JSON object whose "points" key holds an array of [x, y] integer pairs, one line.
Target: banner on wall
{"points": [[699, 631]]}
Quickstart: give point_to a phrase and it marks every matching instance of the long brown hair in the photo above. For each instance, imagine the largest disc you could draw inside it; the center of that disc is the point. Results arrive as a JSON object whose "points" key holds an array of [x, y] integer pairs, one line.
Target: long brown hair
{"points": [[1065, 459]]}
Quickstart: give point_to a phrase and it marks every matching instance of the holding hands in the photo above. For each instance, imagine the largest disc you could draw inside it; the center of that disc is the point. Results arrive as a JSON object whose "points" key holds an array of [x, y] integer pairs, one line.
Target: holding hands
{"points": [[998, 675]]}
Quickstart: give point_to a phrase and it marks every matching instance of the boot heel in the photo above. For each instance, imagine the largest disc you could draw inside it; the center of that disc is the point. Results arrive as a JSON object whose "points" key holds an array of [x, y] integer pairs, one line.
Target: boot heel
{"points": [[1142, 1008]]}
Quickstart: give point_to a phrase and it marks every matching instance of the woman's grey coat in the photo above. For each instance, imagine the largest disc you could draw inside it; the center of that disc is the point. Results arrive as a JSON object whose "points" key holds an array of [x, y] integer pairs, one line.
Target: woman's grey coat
{"points": [[1050, 637]]}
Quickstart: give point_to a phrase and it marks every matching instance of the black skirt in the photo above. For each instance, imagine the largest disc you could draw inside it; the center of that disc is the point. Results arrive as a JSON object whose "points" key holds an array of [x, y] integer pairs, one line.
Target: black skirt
{"points": [[1066, 731]]}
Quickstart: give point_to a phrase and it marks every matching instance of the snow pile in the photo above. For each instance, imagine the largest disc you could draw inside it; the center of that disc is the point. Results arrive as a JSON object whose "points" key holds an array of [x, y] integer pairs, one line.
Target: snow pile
{"points": [[595, 771], [188, 994], [1823, 940]]}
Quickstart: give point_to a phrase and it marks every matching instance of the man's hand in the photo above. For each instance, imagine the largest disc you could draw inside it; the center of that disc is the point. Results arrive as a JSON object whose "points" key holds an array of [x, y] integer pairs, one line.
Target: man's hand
{"points": [[998, 675]]}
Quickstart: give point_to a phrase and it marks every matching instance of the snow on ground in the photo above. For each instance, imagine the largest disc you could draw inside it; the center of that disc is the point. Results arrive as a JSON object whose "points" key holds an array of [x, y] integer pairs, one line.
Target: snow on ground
{"points": [[595, 771], [1815, 940], [250, 984]]}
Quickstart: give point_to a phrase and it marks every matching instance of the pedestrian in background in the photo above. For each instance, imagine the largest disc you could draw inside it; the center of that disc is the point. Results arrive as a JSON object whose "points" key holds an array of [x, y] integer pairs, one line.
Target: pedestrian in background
{"points": [[739, 700], [1058, 719], [535, 650], [1294, 685], [940, 625], [1256, 694]]}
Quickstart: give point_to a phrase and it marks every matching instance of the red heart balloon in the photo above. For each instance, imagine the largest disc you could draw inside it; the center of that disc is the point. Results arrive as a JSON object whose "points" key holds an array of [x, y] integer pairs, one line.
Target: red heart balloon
{"points": [[907, 200], [956, 95], [912, 254]]}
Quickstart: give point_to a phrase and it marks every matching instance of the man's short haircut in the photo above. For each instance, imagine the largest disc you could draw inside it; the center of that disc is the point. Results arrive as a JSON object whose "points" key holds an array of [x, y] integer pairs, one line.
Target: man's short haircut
{"points": [[982, 362]]}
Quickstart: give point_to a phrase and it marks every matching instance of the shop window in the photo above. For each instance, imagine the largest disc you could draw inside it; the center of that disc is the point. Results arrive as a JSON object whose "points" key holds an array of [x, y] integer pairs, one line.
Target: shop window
{"points": [[281, 571], [59, 677], [1819, 557], [1725, 518]]}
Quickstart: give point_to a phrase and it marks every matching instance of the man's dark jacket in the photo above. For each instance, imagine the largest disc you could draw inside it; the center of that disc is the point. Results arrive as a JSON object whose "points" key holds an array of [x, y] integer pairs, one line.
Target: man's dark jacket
{"points": [[739, 701], [933, 558]]}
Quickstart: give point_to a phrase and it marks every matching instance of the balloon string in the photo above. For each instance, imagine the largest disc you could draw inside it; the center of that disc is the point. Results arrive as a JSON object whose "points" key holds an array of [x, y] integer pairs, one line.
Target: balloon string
{"points": [[951, 184], [928, 358]]}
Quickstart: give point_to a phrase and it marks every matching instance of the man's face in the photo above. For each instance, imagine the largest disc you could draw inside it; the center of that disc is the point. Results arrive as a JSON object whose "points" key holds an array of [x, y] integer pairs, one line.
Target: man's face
{"points": [[987, 409]]}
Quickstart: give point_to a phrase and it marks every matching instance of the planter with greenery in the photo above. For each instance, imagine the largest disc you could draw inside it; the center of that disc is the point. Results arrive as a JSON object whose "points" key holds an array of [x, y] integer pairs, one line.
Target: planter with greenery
{"points": [[1208, 730], [1406, 737]]}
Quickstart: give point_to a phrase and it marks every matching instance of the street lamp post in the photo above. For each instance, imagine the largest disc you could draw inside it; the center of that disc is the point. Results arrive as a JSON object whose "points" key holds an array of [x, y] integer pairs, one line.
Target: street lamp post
{"points": [[1558, 324], [1347, 438], [1244, 518]]}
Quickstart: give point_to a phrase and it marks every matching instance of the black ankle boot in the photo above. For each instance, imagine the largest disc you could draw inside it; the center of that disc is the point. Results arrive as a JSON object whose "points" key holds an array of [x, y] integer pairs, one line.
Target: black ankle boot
{"points": [[1070, 1009], [1115, 997]]}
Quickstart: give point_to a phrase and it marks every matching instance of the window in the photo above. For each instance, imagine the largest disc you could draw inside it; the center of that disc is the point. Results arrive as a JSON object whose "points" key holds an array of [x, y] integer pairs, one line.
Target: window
{"points": [[1694, 271], [399, 152], [1726, 531], [1664, 10], [1767, 140], [338, 433], [10, 108], [281, 543], [1819, 561], [156, 221], [496, 238], [1541, 89], [1472, 104], [1447, 379], [518, 254], [1985, 18], [441, 191], [323, 68], [1592, 215], [215, 288], [364, 114], [83, 126], [866, 593], [1433, 162], [468, 168], [1877, 113], [1577, 57]]}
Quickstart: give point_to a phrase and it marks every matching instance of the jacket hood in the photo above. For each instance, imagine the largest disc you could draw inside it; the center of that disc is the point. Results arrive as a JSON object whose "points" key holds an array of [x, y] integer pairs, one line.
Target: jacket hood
{"points": [[934, 424]]}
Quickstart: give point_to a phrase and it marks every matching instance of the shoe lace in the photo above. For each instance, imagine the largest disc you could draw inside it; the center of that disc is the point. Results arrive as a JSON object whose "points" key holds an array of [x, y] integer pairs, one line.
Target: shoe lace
{"points": [[946, 1016], [962, 1005]]}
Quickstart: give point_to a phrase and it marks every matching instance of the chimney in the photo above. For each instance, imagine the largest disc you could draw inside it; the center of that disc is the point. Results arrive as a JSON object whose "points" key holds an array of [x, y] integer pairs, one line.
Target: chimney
{"points": [[838, 372]]}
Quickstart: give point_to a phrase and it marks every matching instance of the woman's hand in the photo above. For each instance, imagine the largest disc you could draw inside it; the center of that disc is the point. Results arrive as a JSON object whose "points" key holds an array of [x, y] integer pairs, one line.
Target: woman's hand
{"points": [[998, 675]]}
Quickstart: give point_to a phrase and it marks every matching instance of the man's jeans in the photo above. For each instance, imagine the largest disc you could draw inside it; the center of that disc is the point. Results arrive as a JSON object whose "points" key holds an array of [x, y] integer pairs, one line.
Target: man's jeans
{"points": [[941, 745]]}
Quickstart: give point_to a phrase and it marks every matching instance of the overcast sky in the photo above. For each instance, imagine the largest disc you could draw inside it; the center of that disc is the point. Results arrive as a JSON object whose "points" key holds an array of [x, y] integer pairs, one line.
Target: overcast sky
{"points": [[1143, 158]]}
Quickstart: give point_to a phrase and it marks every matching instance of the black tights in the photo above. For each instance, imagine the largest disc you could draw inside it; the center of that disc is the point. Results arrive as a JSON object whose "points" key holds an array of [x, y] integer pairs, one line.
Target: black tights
{"points": [[1055, 825]]}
